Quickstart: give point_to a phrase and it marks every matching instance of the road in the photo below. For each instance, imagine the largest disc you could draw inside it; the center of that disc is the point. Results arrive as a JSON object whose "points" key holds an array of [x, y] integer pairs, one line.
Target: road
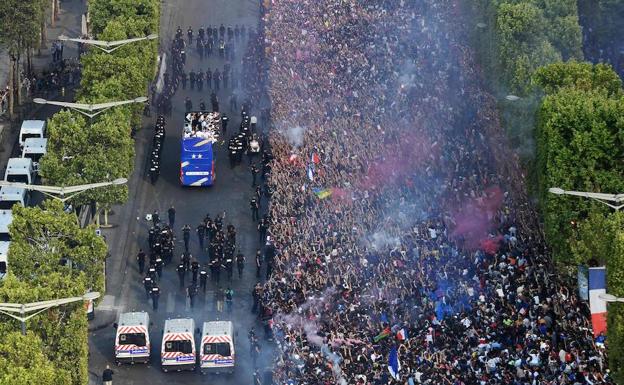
{"points": [[231, 193]]}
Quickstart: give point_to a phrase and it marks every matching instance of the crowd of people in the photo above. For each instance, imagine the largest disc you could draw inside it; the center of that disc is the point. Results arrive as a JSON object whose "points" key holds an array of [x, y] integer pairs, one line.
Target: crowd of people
{"points": [[398, 218]]}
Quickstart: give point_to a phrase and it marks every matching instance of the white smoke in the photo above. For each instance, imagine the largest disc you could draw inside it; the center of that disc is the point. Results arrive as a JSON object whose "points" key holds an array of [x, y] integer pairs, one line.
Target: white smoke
{"points": [[293, 134]]}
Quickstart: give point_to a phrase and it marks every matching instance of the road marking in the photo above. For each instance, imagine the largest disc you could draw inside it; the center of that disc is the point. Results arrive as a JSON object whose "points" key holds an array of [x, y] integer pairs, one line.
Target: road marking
{"points": [[170, 303]]}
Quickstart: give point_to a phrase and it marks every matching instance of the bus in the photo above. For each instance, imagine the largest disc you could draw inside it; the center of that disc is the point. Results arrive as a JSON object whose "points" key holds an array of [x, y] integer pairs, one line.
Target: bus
{"points": [[197, 160]]}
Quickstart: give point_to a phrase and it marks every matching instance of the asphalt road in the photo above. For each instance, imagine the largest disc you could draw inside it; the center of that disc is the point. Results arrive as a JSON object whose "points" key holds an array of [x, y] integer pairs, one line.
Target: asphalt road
{"points": [[231, 193]]}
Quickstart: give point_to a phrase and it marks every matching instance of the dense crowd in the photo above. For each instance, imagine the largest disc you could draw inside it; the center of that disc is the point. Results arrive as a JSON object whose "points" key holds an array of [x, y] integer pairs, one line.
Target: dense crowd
{"points": [[398, 212]]}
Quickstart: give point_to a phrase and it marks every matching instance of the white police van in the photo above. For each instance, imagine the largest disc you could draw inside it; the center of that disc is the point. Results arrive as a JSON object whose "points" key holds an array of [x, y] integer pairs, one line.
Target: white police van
{"points": [[132, 341], [31, 129], [178, 345], [217, 354]]}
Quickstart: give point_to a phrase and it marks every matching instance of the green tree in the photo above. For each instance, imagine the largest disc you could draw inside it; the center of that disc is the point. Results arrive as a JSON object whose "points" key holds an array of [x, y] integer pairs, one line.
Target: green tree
{"points": [[40, 238], [79, 153], [22, 361], [579, 75]]}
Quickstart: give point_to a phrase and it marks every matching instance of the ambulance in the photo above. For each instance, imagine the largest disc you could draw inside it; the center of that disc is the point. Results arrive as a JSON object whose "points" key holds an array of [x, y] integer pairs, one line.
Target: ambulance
{"points": [[217, 347], [132, 342], [178, 345]]}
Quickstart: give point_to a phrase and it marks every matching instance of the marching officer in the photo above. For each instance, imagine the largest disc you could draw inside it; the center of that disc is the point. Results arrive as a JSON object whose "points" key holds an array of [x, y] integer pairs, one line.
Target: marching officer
{"points": [[181, 273], [200, 80], [201, 234], [155, 295], [171, 212], [188, 104], [254, 173], [186, 260], [224, 122], [262, 229], [216, 76], [147, 284], [155, 218], [151, 272], [195, 271], [183, 79], [202, 105], [258, 263], [186, 235], [240, 263], [189, 33], [192, 79], [158, 265], [254, 208], [192, 293], [208, 78], [229, 265], [141, 260], [203, 280]]}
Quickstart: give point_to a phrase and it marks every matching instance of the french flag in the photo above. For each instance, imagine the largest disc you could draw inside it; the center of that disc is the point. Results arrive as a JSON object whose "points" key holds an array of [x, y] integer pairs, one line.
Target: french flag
{"points": [[598, 306], [394, 365], [402, 334]]}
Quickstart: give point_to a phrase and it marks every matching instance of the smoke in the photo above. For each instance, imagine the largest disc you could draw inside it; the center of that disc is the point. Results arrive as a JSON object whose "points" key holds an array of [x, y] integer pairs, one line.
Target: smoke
{"points": [[293, 134], [335, 364], [381, 240]]}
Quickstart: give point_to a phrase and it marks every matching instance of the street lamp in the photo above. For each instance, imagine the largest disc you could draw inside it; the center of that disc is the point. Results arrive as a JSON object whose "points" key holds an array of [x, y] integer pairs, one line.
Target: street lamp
{"points": [[60, 192], [22, 309], [87, 109], [610, 298], [618, 199], [107, 46]]}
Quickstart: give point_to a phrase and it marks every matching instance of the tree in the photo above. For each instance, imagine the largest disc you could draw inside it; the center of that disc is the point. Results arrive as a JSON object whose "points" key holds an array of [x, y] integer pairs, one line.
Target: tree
{"points": [[19, 30], [579, 75], [22, 361], [44, 240], [79, 154]]}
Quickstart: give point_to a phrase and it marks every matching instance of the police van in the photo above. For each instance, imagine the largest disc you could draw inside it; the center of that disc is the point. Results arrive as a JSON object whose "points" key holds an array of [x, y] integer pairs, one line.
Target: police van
{"points": [[132, 342], [9, 196], [31, 129], [35, 149], [20, 170], [6, 218], [217, 353], [178, 345]]}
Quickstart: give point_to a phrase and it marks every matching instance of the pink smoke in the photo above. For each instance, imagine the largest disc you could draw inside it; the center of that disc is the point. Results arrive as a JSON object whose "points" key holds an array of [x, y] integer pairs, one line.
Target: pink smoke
{"points": [[475, 219]]}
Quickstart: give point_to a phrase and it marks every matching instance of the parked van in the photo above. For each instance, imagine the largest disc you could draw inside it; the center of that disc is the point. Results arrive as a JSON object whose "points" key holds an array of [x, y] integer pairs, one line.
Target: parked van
{"points": [[132, 342], [31, 129], [217, 353], [10, 195], [4, 263], [6, 218], [178, 345], [20, 170], [35, 148]]}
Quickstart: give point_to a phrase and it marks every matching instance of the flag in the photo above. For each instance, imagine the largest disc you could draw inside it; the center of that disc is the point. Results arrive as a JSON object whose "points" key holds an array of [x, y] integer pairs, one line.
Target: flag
{"points": [[322, 193], [394, 365], [402, 334], [310, 172], [597, 305], [384, 333]]}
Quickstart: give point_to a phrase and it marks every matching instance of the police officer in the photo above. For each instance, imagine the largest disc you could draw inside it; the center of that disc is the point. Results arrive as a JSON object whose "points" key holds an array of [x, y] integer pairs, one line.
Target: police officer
{"points": [[208, 78], [186, 235], [188, 104], [224, 123], [189, 33], [147, 284], [183, 79], [186, 260], [200, 48], [141, 260], [216, 76], [254, 173], [203, 279], [155, 292], [200, 80], [192, 79], [192, 293], [181, 273], [262, 229], [254, 208], [202, 105], [155, 218], [216, 270], [158, 265], [201, 234], [195, 271], [229, 266], [258, 263], [151, 272], [171, 212], [240, 263]]}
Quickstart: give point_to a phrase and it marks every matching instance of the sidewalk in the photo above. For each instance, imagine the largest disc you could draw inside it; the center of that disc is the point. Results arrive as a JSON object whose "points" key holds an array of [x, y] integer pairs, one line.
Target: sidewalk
{"points": [[69, 23]]}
